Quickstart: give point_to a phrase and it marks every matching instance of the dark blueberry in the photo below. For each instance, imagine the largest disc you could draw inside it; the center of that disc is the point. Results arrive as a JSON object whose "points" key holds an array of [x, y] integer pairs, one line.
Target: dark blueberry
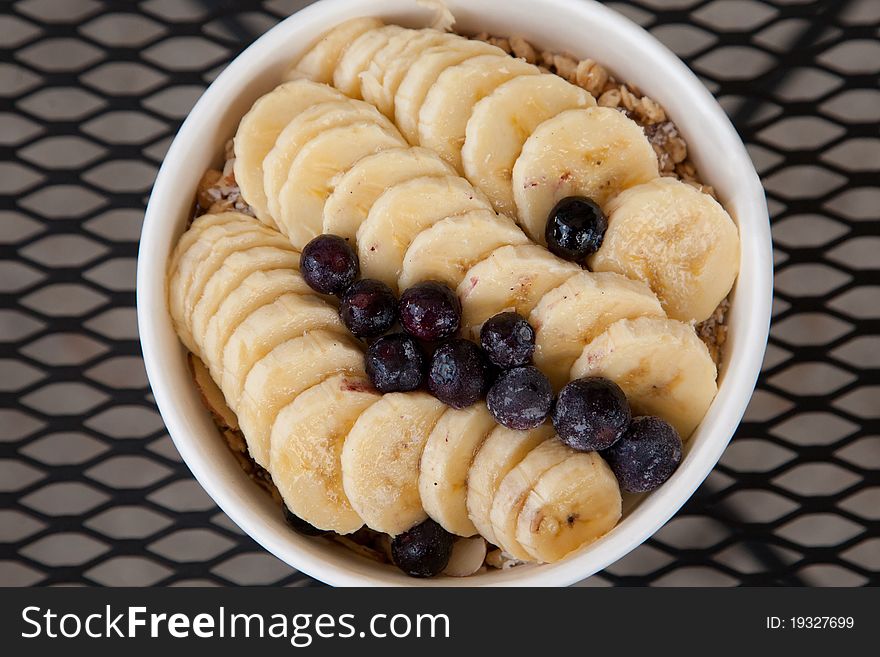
{"points": [[368, 308], [591, 414], [301, 526], [508, 340], [395, 363], [423, 551], [430, 311], [521, 398], [575, 228], [328, 264], [646, 456], [457, 374]]}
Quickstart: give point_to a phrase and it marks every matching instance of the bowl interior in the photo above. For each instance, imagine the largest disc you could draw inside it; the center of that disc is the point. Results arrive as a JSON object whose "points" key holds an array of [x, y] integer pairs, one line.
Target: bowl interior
{"points": [[583, 28]]}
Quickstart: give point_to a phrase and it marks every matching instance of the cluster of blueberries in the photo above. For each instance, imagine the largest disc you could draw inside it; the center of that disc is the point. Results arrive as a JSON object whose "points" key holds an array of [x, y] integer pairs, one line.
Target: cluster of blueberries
{"points": [[590, 414]]}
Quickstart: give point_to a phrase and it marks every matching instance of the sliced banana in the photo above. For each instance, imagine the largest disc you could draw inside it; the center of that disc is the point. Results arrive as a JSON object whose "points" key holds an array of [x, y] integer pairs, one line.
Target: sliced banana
{"points": [[502, 121], [449, 104], [381, 80], [193, 247], [306, 447], [221, 250], [285, 372], [423, 73], [404, 211], [237, 267], [448, 249], [468, 556], [305, 127], [320, 61], [595, 152], [678, 240], [502, 450], [358, 188], [661, 365], [288, 317], [380, 460], [357, 57], [567, 318], [511, 278], [513, 489], [211, 394], [313, 171], [258, 289], [571, 505], [259, 129], [446, 459]]}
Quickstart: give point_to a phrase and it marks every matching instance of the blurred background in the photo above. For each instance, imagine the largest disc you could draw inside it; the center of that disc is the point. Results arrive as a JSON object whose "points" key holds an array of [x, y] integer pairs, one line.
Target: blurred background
{"points": [[92, 491]]}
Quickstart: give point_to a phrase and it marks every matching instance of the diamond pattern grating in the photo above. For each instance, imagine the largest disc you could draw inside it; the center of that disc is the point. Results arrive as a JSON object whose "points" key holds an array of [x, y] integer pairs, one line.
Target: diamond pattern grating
{"points": [[91, 489]]}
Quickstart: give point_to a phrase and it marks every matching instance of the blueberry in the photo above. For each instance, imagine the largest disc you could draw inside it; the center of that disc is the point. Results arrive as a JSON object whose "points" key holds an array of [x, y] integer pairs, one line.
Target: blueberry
{"points": [[457, 374], [646, 456], [328, 264], [575, 228], [521, 398], [394, 363], [508, 340], [301, 526], [430, 311], [423, 551], [368, 308], [591, 414]]}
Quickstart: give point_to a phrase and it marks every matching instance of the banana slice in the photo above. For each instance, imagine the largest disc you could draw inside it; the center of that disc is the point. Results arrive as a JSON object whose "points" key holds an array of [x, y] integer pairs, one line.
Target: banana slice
{"points": [[380, 460], [567, 318], [359, 187], [446, 459], [194, 231], [305, 127], [259, 129], [661, 365], [502, 450], [423, 73], [288, 370], [514, 488], [211, 394], [311, 177], [306, 447], [502, 121], [571, 505], [288, 317], [320, 61], [237, 267], [511, 278], [595, 152], [223, 249], [193, 247], [258, 289], [403, 212], [678, 240], [450, 102], [445, 251], [381, 80], [357, 57]]}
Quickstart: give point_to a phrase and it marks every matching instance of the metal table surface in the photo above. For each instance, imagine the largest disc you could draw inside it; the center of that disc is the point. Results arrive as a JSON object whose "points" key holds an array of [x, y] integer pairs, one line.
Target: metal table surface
{"points": [[91, 489]]}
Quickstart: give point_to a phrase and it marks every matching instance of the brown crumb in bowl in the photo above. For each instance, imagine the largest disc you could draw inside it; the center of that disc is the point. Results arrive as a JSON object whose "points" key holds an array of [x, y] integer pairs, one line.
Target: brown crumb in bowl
{"points": [[219, 192], [713, 331]]}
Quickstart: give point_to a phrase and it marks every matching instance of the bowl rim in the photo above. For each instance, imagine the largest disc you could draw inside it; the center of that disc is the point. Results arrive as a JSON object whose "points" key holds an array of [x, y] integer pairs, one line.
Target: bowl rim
{"points": [[735, 389]]}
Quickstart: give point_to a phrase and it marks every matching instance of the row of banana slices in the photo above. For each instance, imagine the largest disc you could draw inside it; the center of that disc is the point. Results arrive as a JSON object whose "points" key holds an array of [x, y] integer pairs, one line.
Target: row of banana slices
{"points": [[310, 160], [340, 454], [522, 138]]}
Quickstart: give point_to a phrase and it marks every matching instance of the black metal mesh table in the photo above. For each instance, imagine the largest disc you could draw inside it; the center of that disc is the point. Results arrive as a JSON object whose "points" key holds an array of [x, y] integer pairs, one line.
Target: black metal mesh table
{"points": [[91, 488]]}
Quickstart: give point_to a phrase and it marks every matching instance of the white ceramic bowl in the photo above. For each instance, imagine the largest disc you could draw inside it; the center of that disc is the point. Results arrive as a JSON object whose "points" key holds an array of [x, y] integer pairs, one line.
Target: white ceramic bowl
{"points": [[582, 27]]}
